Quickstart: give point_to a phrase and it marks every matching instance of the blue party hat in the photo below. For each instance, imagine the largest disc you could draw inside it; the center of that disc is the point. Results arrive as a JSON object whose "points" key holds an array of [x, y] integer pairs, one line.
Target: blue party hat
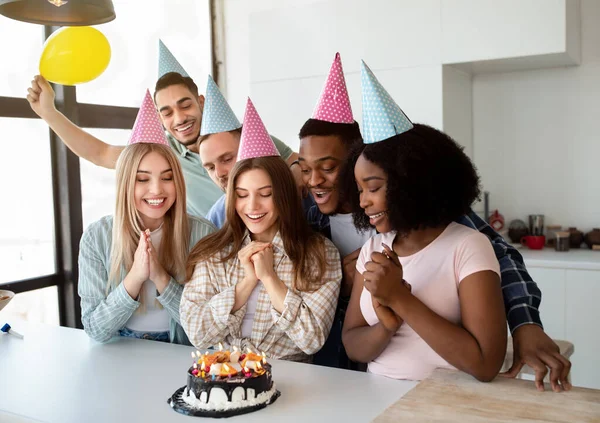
{"points": [[382, 117], [167, 62], [217, 115]]}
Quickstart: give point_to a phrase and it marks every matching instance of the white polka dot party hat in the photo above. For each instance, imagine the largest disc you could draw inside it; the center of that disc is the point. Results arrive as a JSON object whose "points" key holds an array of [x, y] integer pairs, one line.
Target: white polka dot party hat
{"points": [[256, 141], [382, 117], [167, 62], [217, 115], [147, 127], [334, 103]]}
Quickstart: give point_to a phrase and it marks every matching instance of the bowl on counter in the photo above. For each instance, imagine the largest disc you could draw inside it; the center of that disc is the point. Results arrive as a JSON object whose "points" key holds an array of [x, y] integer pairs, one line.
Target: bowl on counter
{"points": [[5, 297]]}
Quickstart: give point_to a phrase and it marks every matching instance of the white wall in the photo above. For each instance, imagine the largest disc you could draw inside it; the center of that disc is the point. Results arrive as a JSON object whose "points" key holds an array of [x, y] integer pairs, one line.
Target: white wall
{"points": [[537, 136], [279, 52], [457, 106], [284, 68]]}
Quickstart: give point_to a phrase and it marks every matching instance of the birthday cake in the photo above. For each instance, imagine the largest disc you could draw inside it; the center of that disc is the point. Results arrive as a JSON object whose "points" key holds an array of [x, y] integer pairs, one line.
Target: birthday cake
{"points": [[224, 384]]}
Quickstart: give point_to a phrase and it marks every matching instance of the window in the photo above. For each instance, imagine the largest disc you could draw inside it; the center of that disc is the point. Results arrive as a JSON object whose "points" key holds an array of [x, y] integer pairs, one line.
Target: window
{"points": [[38, 249], [27, 212], [98, 184], [38, 306], [184, 27], [20, 60]]}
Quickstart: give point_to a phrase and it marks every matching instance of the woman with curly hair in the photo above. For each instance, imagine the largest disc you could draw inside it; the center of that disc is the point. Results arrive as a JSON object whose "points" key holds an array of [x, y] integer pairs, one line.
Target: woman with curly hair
{"points": [[427, 289]]}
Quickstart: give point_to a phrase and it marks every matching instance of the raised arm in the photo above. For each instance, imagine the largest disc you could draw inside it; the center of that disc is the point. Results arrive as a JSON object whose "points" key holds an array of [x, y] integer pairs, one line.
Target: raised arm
{"points": [[41, 99]]}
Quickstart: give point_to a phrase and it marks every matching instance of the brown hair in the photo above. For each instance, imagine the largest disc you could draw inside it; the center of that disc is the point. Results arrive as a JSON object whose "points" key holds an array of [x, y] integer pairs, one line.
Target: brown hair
{"points": [[174, 78], [237, 131], [304, 247]]}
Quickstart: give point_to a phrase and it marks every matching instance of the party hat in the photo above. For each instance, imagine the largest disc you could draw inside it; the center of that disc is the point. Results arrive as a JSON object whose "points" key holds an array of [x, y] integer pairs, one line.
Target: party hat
{"points": [[167, 62], [217, 115], [256, 141], [382, 117], [147, 127], [334, 103]]}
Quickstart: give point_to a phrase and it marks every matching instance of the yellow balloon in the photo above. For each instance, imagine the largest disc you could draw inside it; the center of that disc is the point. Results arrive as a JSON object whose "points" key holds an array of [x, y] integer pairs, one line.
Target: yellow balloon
{"points": [[74, 55]]}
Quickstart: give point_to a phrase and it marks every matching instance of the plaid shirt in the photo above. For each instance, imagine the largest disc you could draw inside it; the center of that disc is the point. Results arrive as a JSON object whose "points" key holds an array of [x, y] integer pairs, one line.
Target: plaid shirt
{"points": [[522, 297], [296, 333]]}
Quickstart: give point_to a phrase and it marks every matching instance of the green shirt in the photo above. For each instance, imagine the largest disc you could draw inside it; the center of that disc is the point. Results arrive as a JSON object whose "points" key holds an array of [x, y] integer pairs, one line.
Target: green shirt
{"points": [[201, 191]]}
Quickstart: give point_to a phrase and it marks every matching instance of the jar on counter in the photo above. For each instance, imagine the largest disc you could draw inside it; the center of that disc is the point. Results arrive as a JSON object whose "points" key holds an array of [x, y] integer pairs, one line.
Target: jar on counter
{"points": [[576, 237], [551, 231], [562, 241]]}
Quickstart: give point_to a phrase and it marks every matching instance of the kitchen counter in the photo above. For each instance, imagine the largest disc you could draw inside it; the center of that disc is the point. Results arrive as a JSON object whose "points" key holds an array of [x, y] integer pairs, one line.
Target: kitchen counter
{"points": [[582, 259], [451, 396]]}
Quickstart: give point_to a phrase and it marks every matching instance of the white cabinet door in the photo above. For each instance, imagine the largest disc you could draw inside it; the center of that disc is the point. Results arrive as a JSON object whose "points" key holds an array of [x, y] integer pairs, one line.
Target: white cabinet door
{"points": [[583, 319], [552, 310]]}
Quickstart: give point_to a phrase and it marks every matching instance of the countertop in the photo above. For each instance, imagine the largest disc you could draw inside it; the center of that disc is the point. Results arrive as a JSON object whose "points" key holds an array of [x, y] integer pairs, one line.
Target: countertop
{"points": [[58, 374], [451, 396], [583, 259]]}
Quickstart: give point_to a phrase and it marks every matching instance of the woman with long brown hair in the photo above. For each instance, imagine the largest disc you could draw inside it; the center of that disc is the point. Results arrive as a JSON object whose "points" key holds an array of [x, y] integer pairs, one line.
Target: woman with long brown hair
{"points": [[265, 281]]}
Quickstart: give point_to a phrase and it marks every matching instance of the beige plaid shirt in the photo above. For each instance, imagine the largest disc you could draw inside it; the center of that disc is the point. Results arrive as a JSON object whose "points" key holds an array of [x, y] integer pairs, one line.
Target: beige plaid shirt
{"points": [[295, 334]]}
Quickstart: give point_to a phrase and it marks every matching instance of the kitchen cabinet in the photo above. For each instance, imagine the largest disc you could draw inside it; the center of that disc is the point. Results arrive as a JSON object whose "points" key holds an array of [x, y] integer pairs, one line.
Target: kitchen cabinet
{"points": [[582, 319], [570, 285], [552, 310]]}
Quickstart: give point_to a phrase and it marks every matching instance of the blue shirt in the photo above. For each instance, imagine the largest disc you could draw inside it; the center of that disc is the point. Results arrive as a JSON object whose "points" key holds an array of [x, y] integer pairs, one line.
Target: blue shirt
{"points": [[216, 214]]}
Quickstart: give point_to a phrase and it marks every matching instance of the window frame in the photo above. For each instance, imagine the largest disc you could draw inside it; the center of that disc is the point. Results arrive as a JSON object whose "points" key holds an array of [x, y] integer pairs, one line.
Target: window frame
{"points": [[66, 184]]}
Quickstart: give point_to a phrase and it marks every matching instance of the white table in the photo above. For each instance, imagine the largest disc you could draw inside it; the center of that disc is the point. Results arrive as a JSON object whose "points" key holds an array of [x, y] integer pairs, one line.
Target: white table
{"points": [[58, 374]]}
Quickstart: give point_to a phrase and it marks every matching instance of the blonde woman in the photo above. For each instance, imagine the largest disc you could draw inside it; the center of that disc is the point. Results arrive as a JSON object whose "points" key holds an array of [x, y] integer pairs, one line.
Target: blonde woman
{"points": [[131, 265]]}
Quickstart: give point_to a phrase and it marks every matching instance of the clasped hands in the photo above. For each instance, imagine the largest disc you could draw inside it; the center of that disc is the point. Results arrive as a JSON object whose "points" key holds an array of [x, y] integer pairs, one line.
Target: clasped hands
{"points": [[381, 278], [146, 264], [256, 259]]}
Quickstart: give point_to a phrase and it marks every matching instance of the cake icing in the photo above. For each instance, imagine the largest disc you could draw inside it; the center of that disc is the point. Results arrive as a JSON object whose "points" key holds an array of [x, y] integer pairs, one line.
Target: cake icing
{"points": [[224, 383]]}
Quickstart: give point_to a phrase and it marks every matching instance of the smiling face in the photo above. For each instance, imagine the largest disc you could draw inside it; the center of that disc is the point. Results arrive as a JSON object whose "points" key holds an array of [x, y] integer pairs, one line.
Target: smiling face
{"points": [[372, 189], [180, 112], [321, 158], [254, 204], [218, 153], [154, 191]]}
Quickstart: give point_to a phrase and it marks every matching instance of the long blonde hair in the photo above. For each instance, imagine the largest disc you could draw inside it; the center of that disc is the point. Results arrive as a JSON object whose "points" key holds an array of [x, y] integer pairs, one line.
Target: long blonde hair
{"points": [[127, 224], [305, 248]]}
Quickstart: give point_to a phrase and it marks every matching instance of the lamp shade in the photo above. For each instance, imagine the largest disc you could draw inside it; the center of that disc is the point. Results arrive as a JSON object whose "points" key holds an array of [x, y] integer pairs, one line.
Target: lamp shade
{"points": [[59, 12]]}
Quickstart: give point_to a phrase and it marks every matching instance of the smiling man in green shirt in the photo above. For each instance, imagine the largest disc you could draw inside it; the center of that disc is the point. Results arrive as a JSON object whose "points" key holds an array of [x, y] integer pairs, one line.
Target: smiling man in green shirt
{"points": [[180, 106]]}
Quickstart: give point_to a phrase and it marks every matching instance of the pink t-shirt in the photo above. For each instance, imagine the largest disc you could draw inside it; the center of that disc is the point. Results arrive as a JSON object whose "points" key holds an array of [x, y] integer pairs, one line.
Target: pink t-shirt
{"points": [[434, 273]]}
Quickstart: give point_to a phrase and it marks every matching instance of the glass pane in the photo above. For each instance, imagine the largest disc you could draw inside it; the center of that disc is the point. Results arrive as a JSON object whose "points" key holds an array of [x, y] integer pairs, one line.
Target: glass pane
{"points": [[184, 27], [20, 60], [27, 235], [38, 306], [97, 183]]}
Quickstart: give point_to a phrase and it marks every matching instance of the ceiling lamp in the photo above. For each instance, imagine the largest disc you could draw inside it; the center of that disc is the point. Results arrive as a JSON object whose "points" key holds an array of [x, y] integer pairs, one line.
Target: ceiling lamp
{"points": [[59, 12]]}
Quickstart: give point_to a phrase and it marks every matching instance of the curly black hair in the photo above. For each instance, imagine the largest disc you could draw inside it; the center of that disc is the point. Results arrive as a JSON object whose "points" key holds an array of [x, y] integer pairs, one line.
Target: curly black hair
{"points": [[349, 133], [431, 181]]}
